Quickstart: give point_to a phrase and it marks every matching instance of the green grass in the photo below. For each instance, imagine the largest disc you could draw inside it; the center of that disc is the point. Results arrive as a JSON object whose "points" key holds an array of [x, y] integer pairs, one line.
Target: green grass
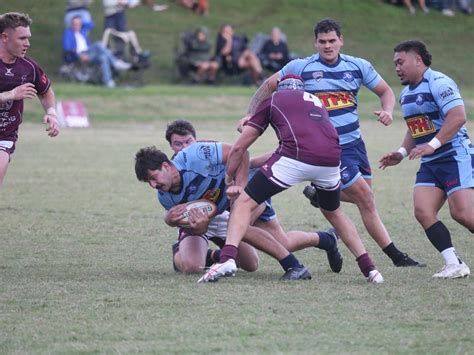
{"points": [[371, 29], [85, 263]]}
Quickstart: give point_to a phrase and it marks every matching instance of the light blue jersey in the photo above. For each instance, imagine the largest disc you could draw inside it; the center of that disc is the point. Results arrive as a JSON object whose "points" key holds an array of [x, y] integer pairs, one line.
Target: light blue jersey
{"points": [[425, 107], [337, 86], [202, 176]]}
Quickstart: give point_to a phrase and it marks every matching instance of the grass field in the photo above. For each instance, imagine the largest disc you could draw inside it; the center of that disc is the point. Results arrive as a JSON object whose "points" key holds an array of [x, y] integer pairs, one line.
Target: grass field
{"points": [[85, 262]]}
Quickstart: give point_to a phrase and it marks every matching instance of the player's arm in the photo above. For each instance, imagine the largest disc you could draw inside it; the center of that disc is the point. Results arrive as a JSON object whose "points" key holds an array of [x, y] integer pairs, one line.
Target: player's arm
{"points": [[455, 119], [259, 160], [48, 101], [394, 158], [265, 90], [387, 102], [174, 215], [25, 91], [239, 151]]}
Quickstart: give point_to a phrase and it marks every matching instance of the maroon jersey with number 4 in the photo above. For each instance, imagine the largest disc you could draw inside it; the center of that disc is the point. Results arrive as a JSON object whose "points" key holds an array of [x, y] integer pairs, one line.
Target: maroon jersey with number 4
{"points": [[23, 71], [302, 126]]}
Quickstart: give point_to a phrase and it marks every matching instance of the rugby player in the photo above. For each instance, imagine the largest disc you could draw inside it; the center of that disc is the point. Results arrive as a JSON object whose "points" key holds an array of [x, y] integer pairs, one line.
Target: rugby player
{"points": [[435, 116], [180, 134], [336, 78], [309, 150], [21, 78]]}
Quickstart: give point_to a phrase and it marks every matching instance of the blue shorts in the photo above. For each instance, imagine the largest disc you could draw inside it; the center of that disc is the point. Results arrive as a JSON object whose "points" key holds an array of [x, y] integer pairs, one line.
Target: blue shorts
{"points": [[269, 213], [354, 163], [448, 174]]}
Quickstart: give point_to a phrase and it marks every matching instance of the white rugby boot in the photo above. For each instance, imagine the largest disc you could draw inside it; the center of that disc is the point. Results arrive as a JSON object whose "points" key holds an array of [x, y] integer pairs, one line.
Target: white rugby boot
{"points": [[375, 277], [453, 271], [217, 271]]}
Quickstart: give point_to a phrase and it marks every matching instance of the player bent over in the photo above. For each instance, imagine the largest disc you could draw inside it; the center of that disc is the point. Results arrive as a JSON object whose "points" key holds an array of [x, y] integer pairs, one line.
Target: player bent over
{"points": [[198, 172], [180, 134], [434, 113], [309, 150]]}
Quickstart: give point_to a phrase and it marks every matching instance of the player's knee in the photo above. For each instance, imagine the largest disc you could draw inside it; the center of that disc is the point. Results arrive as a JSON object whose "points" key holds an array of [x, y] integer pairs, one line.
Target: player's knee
{"points": [[190, 267], [250, 265], [464, 218]]}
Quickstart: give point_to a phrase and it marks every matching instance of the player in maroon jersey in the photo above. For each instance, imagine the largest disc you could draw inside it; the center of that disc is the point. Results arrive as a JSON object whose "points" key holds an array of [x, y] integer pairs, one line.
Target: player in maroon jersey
{"points": [[20, 78], [308, 150]]}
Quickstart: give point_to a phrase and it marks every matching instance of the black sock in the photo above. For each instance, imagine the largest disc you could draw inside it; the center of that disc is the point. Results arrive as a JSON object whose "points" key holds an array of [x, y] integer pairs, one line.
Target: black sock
{"points": [[393, 253], [289, 262], [439, 236], [326, 241]]}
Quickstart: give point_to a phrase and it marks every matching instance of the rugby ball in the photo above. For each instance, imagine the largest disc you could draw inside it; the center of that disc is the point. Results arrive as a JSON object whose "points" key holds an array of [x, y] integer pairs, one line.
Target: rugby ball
{"points": [[206, 206]]}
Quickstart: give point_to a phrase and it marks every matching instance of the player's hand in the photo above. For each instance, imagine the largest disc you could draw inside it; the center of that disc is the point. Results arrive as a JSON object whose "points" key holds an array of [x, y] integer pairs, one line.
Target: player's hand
{"points": [[53, 126], [390, 159], [384, 117], [242, 121], [198, 219], [25, 91], [233, 192], [175, 213], [421, 151]]}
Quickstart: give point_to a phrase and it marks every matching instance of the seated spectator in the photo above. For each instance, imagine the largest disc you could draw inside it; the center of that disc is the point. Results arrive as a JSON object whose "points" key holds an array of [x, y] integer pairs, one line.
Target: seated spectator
{"points": [[234, 56], [198, 53], [77, 48], [118, 41], [274, 54], [411, 8], [198, 6], [79, 8]]}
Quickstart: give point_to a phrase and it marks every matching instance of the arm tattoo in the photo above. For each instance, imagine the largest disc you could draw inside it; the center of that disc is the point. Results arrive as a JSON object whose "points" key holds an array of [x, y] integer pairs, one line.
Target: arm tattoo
{"points": [[261, 94]]}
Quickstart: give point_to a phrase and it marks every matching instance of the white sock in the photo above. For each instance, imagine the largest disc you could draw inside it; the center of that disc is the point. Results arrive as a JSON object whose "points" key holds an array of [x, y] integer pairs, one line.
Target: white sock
{"points": [[450, 256]]}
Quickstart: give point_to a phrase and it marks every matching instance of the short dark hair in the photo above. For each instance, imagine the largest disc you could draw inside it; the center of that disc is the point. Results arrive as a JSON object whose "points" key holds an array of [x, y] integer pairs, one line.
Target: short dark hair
{"points": [[327, 25], [181, 128], [415, 46], [149, 158], [13, 20]]}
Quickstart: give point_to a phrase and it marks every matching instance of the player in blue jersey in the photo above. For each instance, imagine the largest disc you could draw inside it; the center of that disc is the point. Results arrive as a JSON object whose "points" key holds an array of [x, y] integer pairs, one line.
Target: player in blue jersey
{"points": [[199, 172], [180, 134], [336, 78], [434, 113]]}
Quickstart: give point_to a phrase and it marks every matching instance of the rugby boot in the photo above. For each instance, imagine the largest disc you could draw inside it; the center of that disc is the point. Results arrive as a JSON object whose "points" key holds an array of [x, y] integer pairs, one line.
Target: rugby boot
{"points": [[453, 271], [407, 261], [218, 270], [311, 194], [375, 277], [296, 273], [334, 256]]}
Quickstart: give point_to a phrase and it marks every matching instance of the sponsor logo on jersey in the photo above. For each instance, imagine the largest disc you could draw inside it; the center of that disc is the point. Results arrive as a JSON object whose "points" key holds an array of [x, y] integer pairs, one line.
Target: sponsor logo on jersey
{"points": [[445, 92], [336, 100], [347, 76], [9, 72], [212, 195], [420, 126], [204, 152], [318, 75]]}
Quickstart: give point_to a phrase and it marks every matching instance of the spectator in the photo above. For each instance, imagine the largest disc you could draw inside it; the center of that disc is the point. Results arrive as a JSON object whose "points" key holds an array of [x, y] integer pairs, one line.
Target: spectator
{"points": [[79, 8], [275, 54], [411, 8], [77, 48], [198, 6], [234, 56], [200, 59]]}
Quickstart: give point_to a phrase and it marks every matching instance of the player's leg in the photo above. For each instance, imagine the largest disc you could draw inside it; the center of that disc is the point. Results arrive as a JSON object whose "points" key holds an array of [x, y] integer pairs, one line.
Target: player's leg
{"points": [[191, 255], [4, 161], [461, 207], [247, 257]]}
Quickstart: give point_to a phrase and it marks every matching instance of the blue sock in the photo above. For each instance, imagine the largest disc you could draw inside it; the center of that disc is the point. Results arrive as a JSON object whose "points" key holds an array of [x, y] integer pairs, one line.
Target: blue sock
{"points": [[289, 262], [326, 241]]}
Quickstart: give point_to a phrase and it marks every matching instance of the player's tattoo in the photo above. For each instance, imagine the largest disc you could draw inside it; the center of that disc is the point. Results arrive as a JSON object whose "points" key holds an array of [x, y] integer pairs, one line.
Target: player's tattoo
{"points": [[261, 94]]}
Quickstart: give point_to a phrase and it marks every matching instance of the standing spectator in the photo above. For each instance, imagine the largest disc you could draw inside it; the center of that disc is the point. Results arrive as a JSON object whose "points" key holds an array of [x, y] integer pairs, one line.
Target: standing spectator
{"points": [[22, 78], [79, 8], [434, 113], [275, 54], [77, 47], [200, 59], [336, 78], [234, 56]]}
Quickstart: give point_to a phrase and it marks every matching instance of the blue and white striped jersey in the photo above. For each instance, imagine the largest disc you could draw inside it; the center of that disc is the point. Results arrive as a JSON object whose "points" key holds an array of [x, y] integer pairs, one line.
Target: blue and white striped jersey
{"points": [[202, 176], [337, 86], [424, 108]]}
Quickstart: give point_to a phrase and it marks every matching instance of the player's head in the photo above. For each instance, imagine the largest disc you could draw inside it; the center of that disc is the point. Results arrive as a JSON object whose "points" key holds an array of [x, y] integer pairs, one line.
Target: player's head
{"points": [[153, 166], [15, 33], [180, 134], [76, 23], [328, 40], [290, 82], [411, 59]]}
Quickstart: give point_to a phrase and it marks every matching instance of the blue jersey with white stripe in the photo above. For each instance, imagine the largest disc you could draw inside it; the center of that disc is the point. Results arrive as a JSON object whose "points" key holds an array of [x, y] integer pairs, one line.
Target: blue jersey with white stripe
{"points": [[202, 176], [337, 86], [424, 108]]}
